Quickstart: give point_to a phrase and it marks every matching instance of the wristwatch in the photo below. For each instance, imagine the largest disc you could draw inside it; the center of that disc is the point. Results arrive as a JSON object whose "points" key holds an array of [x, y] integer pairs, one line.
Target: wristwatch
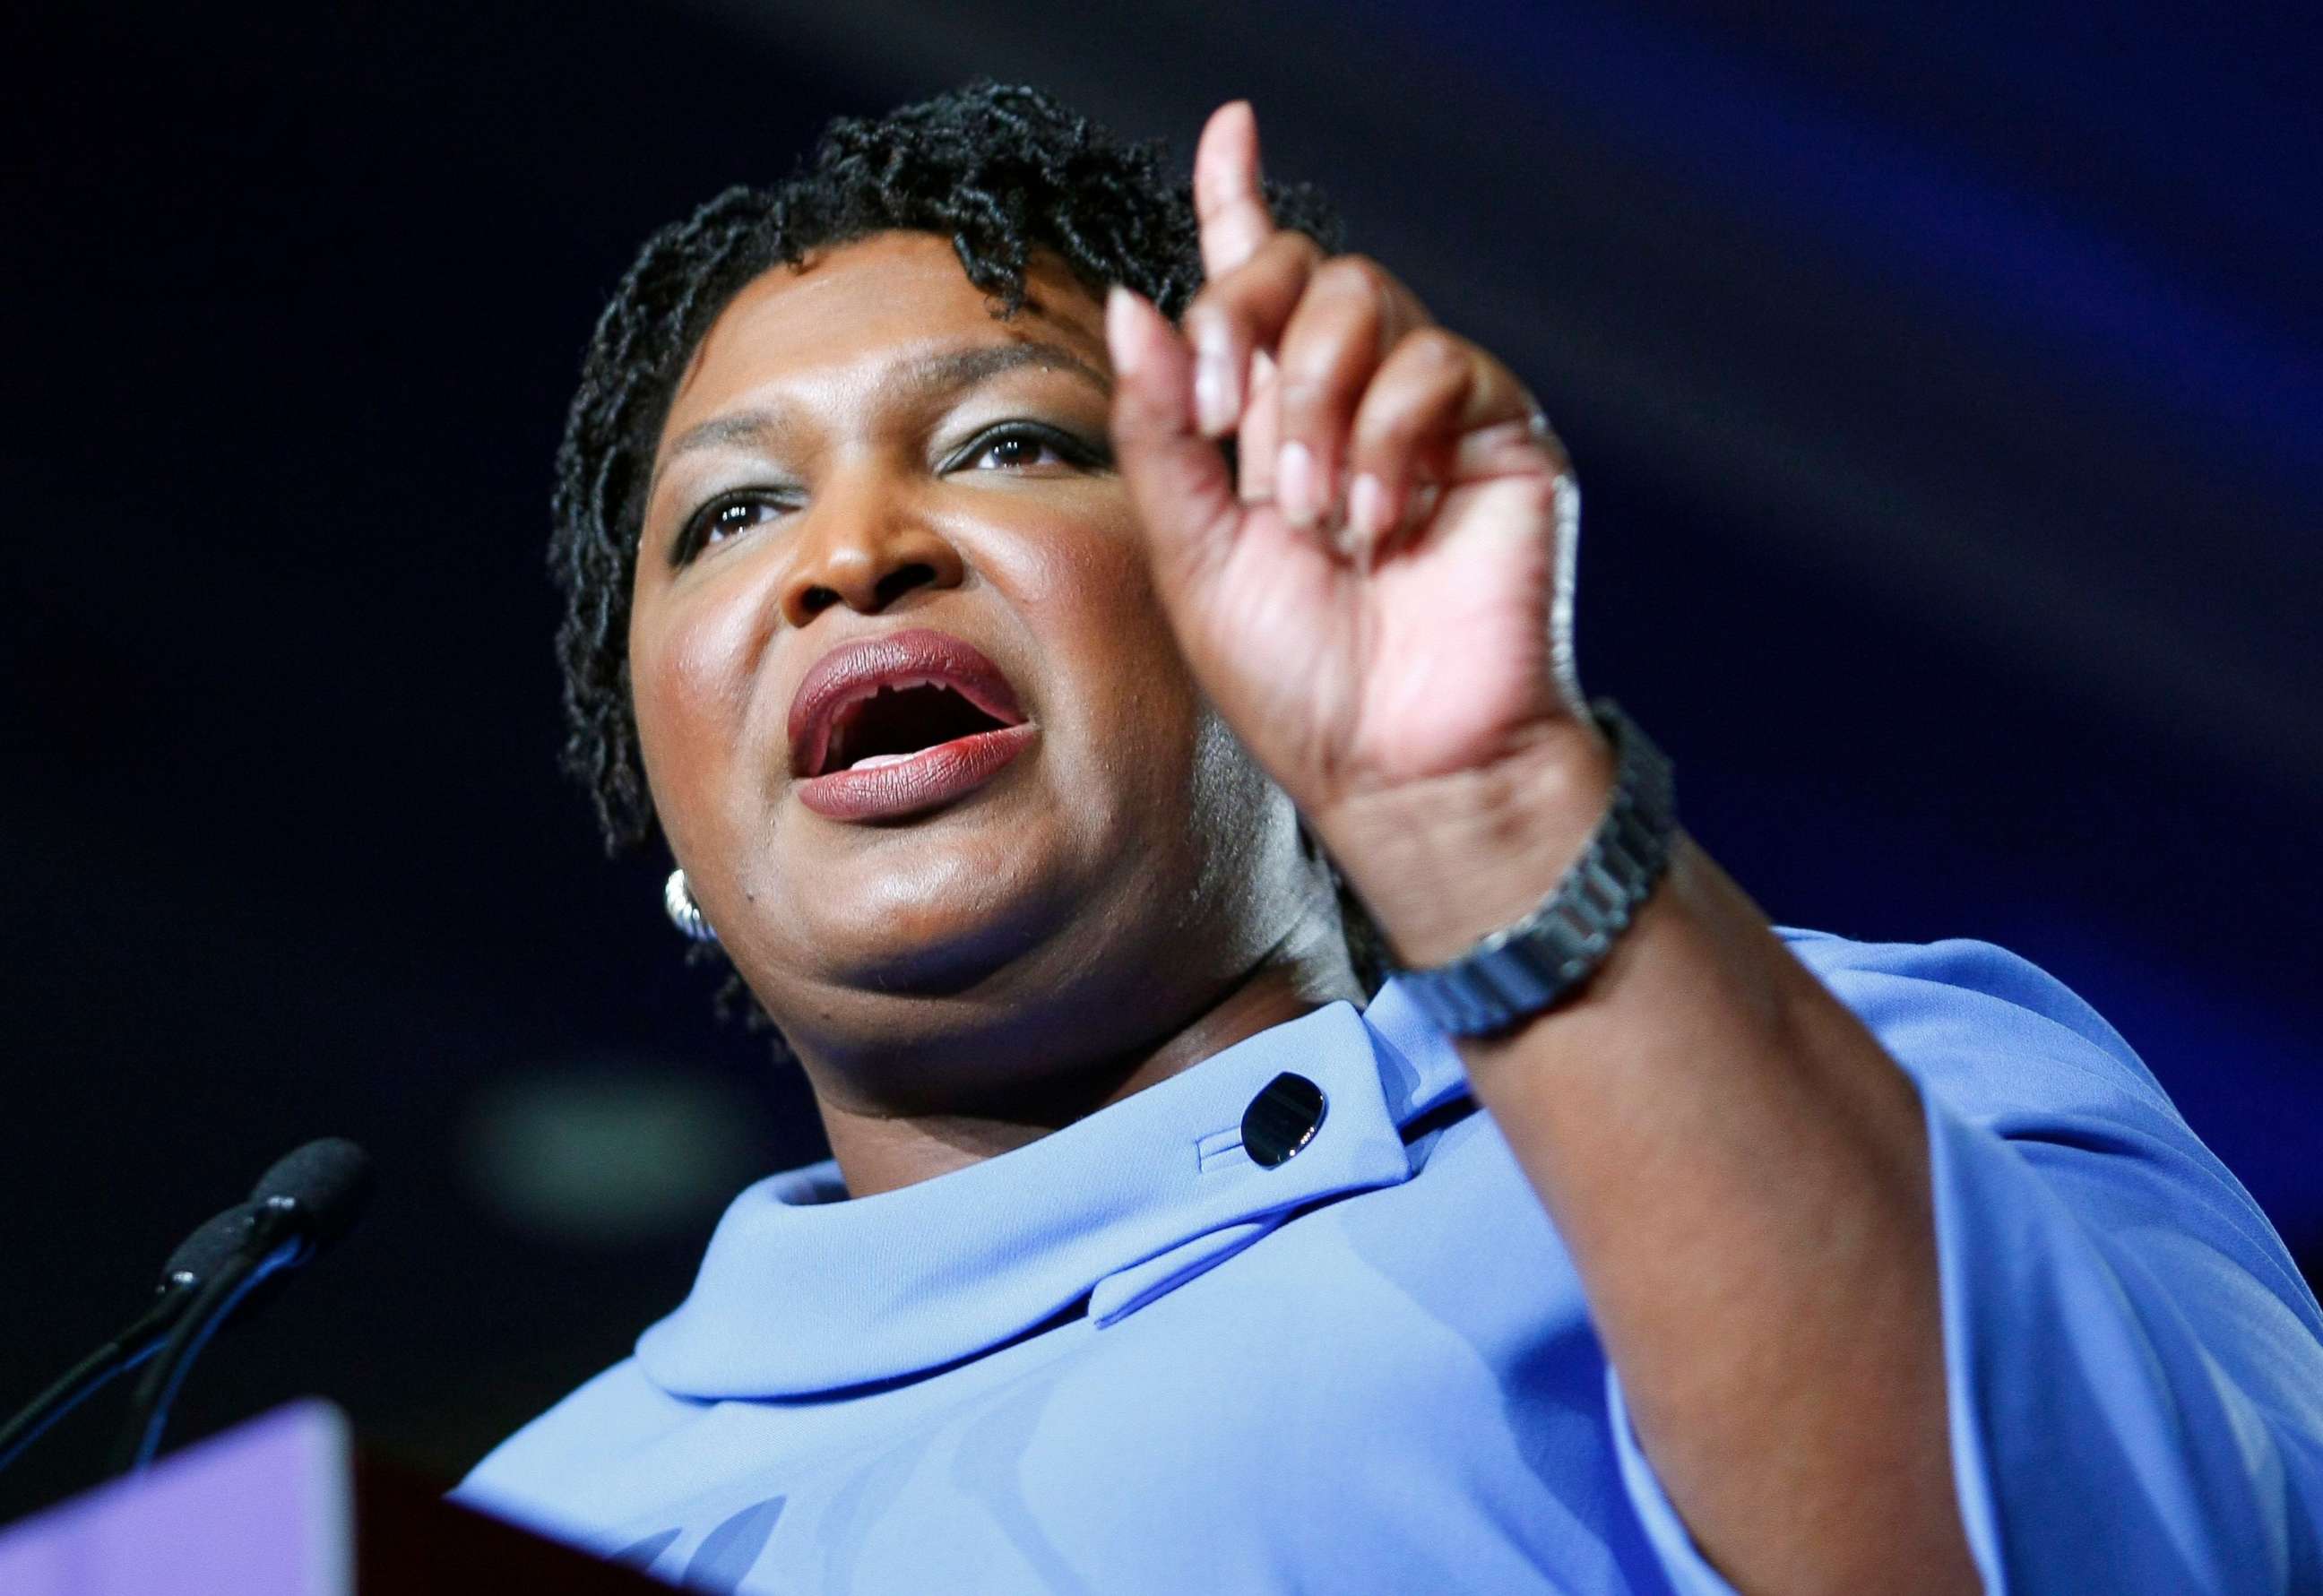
{"points": [[1550, 955]]}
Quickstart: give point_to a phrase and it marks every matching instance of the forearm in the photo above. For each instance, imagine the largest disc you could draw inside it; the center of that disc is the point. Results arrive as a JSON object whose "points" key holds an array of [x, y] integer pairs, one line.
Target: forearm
{"points": [[1740, 1172]]}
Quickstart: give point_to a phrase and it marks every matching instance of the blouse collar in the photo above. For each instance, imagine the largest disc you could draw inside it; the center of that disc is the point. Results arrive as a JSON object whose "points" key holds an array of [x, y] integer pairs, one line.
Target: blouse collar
{"points": [[806, 1292]]}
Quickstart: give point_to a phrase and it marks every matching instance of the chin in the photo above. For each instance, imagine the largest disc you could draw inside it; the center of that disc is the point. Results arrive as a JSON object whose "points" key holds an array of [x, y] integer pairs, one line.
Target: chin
{"points": [[937, 922]]}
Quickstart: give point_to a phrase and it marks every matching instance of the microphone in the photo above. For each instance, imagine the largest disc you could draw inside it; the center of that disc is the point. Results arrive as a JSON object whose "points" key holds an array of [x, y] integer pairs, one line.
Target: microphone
{"points": [[321, 1189], [304, 1203], [197, 1258]]}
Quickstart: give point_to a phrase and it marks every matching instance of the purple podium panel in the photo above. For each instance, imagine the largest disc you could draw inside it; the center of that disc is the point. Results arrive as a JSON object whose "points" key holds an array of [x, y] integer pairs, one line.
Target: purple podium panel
{"points": [[265, 1509], [286, 1505]]}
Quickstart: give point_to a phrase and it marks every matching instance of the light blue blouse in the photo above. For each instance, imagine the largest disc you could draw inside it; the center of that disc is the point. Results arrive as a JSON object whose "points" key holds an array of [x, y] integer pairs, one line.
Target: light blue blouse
{"points": [[1127, 1358]]}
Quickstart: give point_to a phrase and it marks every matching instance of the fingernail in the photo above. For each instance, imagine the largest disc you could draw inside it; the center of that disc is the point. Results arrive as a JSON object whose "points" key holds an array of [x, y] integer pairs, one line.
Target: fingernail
{"points": [[1367, 506], [1214, 399], [1294, 484], [1120, 335]]}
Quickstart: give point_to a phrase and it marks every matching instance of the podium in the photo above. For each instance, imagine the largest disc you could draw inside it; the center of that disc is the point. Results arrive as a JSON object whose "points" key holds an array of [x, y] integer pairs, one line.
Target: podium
{"points": [[285, 1505]]}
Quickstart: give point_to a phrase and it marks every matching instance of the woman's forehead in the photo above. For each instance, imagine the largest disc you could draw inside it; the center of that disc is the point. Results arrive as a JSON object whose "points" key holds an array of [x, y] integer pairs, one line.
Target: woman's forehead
{"points": [[848, 317]]}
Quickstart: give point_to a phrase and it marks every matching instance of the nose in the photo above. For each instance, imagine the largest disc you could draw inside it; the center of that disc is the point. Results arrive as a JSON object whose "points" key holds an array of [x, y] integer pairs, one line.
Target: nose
{"points": [[867, 552]]}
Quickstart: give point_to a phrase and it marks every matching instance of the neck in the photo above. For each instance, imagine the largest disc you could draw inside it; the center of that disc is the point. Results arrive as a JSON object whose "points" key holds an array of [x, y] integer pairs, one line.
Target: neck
{"points": [[875, 1153]]}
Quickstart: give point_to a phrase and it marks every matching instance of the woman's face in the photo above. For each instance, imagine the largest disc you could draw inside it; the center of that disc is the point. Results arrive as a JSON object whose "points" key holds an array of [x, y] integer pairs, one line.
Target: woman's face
{"points": [[858, 449]]}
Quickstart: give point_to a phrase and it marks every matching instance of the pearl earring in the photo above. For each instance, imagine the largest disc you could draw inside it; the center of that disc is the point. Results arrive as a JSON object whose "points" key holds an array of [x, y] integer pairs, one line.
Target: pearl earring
{"points": [[677, 901]]}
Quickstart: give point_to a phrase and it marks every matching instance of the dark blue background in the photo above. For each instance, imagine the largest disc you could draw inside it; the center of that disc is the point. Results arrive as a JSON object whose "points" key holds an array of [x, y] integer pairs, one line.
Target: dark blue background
{"points": [[1946, 395]]}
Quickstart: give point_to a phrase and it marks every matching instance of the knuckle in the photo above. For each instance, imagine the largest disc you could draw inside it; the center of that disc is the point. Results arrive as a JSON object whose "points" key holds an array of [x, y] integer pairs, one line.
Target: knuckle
{"points": [[1398, 434], [1538, 495], [1355, 276], [1435, 351], [1229, 313], [1304, 391], [1361, 299], [1394, 427], [1210, 318], [1317, 372], [1293, 248]]}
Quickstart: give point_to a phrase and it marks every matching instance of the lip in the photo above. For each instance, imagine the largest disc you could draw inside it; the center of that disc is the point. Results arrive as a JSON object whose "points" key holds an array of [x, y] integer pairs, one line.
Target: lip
{"points": [[857, 670], [928, 777]]}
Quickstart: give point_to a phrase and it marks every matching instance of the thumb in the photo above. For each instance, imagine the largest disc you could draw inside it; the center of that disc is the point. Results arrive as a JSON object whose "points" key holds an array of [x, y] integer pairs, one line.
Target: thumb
{"points": [[1178, 479]]}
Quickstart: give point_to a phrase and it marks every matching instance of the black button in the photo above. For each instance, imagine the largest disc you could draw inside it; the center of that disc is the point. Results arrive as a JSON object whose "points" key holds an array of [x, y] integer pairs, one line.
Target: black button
{"points": [[1282, 1119]]}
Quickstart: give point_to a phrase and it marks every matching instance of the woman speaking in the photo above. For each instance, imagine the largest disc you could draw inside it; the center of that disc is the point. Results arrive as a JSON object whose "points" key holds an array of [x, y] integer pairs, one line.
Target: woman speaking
{"points": [[1304, 1116]]}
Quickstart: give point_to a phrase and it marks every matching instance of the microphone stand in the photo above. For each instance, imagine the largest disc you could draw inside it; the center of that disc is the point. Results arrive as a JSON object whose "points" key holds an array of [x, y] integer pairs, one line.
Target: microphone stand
{"points": [[85, 1379], [197, 1258], [278, 1240], [303, 1203]]}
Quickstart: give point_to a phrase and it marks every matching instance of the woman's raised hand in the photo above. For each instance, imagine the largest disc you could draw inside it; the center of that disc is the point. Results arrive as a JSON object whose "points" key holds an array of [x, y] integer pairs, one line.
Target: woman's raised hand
{"points": [[1384, 598]]}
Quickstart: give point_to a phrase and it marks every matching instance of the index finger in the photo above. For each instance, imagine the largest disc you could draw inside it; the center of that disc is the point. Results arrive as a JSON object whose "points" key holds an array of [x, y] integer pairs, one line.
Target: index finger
{"points": [[1227, 200]]}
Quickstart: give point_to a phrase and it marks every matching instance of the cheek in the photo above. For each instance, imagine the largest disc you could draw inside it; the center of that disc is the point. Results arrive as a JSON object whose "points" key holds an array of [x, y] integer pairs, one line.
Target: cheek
{"points": [[1156, 745], [1077, 553], [1088, 601], [691, 666], [1085, 575]]}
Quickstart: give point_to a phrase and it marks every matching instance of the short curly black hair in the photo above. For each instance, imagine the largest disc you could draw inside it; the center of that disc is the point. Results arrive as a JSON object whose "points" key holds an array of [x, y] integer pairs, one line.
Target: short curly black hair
{"points": [[1001, 171]]}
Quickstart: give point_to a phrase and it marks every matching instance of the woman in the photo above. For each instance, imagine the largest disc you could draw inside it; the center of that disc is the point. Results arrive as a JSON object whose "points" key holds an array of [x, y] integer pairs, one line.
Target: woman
{"points": [[1075, 637]]}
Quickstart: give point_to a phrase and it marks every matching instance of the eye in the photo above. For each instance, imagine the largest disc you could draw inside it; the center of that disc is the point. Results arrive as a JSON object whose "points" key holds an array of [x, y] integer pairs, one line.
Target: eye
{"points": [[1018, 444], [726, 516]]}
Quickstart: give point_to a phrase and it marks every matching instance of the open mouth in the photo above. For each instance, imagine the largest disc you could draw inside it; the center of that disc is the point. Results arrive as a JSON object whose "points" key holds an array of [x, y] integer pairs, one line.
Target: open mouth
{"points": [[898, 721], [898, 724]]}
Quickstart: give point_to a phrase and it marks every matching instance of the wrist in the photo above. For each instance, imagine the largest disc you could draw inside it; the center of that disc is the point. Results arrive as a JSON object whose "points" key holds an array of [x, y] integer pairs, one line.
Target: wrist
{"points": [[1444, 862]]}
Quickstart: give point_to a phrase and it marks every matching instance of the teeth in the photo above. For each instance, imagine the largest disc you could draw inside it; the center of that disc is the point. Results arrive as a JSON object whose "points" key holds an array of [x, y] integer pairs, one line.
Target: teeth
{"points": [[870, 761]]}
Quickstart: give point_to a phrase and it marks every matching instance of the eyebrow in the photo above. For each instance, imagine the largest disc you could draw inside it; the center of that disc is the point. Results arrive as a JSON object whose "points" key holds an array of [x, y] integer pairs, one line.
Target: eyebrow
{"points": [[948, 371]]}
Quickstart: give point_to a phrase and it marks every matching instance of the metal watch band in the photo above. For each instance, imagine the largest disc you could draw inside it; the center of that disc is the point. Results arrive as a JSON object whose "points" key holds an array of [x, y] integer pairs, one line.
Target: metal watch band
{"points": [[1545, 958]]}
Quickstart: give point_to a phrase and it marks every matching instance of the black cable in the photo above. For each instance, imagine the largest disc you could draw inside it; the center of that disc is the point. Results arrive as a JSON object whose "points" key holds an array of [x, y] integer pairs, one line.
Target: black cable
{"points": [[277, 1241], [197, 1261], [302, 1205]]}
